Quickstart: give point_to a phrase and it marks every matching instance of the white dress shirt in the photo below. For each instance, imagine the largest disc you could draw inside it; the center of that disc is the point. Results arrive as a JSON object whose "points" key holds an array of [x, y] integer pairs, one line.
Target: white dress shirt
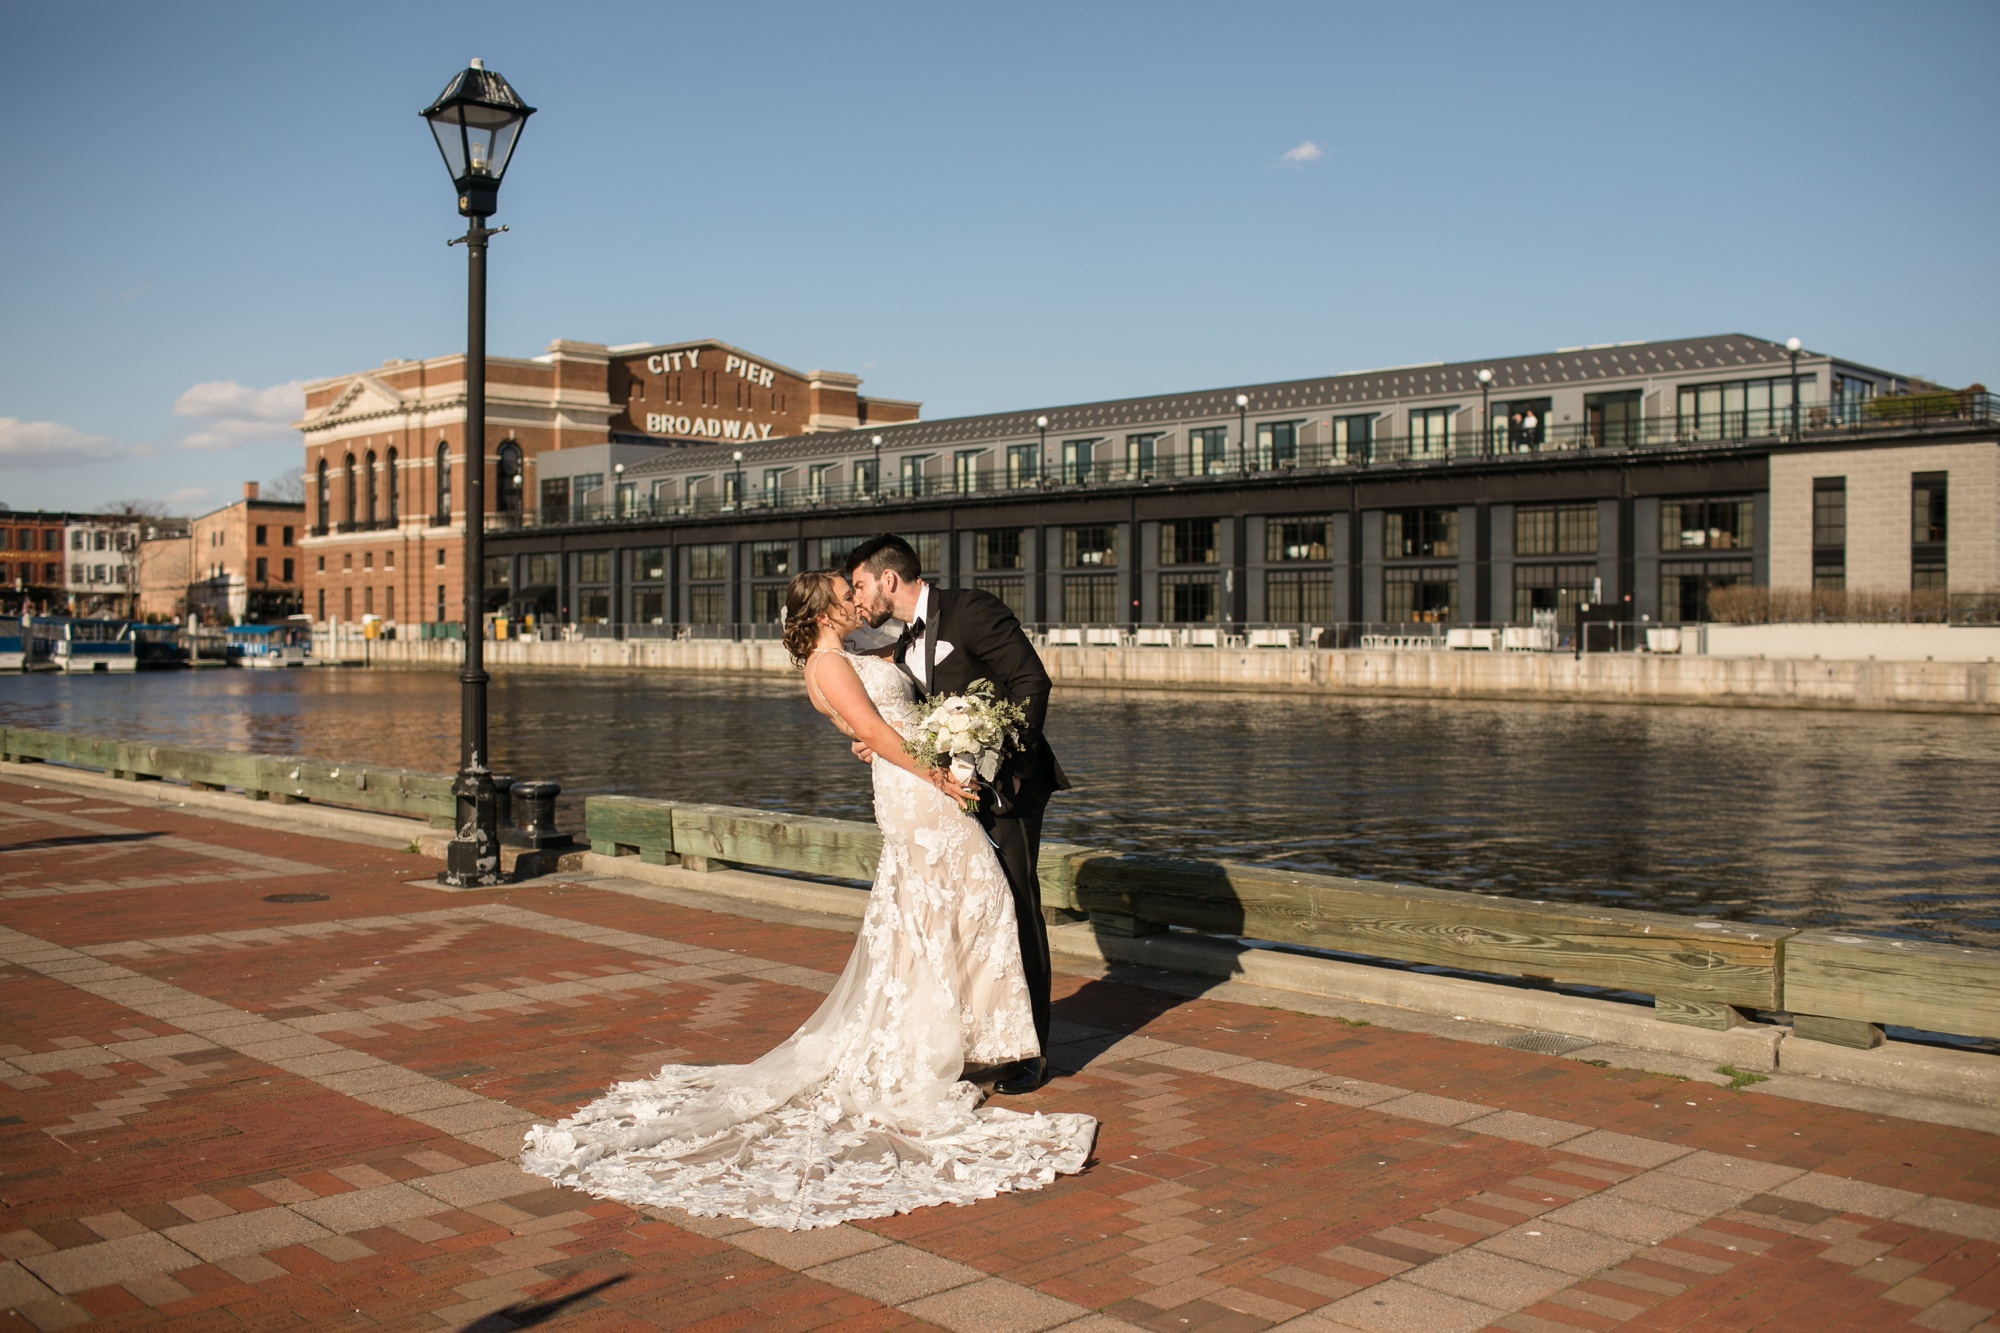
{"points": [[914, 658]]}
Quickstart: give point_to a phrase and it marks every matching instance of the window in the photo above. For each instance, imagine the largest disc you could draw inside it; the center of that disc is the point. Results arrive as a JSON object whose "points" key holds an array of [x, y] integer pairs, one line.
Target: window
{"points": [[627, 494], [708, 604], [1190, 599], [263, 569], [649, 564], [1014, 592], [774, 485], [913, 473], [544, 571], [999, 549], [79, 541], [1829, 534], [1188, 541], [507, 479], [1685, 585], [867, 476], [1419, 595], [708, 562], [263, 535], [440, 603], [770, 560], [817, 480], [322, 502], [440, 559], [1519, 425], [965, 471], [1353, 438], [1929, 509], [555, 499], [649, 606], [368, 560], [395, 502], [1293, 539], [929, 547], [1555, 588], [289, 568], [1928, 506], [1419, 534], [1085, 548], [1208, 451], [1430, 432], [1555, 530], [350, 493], [1740, 409], [1090, 599], [1298, 596], [663, 496], [1715, 525], [289, 536], [1611, 420], [593, 606], [1141, 454], [593, 567], [1277, 444], [442, 485], [369, 485], [586, 494], [1077, 456], [1024, 464]]}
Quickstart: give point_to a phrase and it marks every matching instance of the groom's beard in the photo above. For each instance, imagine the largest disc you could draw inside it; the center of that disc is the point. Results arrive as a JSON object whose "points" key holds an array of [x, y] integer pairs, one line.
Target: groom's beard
{"points": [[875, 612]]}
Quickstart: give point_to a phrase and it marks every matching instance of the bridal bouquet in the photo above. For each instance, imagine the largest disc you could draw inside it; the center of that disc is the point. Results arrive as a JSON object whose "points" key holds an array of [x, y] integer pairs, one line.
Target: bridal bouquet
{"points": [[968, 733]]}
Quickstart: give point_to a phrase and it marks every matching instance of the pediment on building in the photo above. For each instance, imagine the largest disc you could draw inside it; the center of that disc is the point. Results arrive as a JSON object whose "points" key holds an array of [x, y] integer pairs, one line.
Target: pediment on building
{"points": [[364, 396]]}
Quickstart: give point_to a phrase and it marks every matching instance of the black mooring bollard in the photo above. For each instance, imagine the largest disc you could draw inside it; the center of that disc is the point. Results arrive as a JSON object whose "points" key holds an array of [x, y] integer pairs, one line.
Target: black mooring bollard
{"points": [[503, 800], [535, 805]]}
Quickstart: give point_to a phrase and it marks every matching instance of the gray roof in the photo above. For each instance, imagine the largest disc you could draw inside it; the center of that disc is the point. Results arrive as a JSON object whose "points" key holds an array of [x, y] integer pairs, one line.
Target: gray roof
{"points": [[1722, 353]]}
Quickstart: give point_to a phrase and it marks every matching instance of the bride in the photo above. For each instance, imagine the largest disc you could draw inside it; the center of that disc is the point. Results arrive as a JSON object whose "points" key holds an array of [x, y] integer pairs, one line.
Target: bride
{"points": [[864, 1111]]}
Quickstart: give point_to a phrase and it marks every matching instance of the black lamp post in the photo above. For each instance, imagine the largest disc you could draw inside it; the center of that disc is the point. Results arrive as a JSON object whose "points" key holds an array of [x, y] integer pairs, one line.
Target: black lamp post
{"points": [[1041, 450], [1485, 378], [477, 120], [875, 484], [1242, 432], [1793, 346]]}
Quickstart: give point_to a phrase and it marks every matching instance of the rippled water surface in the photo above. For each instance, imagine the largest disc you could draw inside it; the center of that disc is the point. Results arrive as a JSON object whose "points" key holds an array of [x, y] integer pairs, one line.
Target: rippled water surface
{"points": [[1882, 822]]}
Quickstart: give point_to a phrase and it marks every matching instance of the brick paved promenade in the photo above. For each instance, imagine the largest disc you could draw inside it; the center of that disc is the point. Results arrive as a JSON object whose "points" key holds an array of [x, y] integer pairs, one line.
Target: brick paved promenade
{"points": [[225, 1112]]}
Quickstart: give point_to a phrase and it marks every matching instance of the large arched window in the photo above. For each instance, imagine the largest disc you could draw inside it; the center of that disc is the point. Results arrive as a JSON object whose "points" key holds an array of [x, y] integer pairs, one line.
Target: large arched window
{"points": [[443, 514], [395, 486], [323, 503], [347, 501], [371, 488], [507, 483]]}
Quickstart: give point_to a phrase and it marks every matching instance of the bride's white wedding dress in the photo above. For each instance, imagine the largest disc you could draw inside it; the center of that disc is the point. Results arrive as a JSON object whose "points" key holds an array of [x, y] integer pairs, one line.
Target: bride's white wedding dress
{"points": [[862, 1112]]}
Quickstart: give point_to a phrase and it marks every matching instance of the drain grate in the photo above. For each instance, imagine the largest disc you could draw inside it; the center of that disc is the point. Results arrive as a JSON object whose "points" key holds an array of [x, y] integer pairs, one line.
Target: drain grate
{"points": [[294, 897], [1547, 1043]]}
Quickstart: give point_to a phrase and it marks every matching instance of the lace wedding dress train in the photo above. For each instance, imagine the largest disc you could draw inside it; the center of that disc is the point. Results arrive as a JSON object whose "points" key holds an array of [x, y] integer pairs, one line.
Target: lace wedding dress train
{"points": [[862, 1112]]}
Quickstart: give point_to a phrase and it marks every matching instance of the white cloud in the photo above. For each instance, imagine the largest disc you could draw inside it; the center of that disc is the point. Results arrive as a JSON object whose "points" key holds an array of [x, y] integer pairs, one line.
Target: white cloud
{"points": [[186, 499], [232, 415], [1305, 152], [25, 444]]}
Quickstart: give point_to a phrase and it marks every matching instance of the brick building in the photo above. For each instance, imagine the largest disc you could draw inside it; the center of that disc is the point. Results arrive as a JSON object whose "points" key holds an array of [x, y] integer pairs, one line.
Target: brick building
{"points": [[246, 562], [32, 558], [165, 567], [385, 453]]}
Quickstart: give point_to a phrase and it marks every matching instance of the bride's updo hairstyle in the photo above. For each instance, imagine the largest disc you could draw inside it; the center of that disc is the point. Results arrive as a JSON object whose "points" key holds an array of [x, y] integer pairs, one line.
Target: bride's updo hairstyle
{"points": [[809, 596]]}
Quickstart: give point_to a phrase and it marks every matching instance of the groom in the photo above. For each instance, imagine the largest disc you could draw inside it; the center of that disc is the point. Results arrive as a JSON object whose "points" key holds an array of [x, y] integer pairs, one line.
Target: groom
{"points": [[954, 637]]}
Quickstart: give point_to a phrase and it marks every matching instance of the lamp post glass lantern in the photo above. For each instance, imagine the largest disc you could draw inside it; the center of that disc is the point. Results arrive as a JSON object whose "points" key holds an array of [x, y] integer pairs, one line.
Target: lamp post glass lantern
{"points": [[477, 122]]}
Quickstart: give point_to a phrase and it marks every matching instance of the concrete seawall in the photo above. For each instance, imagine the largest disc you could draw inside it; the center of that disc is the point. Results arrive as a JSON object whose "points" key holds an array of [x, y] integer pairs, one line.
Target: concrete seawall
{"points": [[1915, 686]]}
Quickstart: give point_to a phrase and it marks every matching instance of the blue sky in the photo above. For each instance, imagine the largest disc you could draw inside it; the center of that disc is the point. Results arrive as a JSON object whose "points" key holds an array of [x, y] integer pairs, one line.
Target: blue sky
{"points": [[982, 207]]}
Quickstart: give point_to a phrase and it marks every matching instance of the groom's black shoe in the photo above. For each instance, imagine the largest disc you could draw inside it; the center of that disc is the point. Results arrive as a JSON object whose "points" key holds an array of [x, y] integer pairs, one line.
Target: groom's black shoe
{"points": [[1027, 1077]]}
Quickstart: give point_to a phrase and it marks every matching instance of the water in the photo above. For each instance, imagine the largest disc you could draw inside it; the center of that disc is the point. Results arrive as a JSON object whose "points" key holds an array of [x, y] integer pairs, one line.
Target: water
{"points": [[1876, 822]]}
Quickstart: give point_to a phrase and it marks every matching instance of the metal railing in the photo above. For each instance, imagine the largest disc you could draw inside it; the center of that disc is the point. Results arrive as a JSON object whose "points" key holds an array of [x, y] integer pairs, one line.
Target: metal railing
{"points": [[1652, 435]]}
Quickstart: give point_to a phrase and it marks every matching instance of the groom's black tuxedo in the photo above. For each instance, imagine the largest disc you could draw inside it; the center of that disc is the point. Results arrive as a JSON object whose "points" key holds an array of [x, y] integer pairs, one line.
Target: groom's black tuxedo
{"points": [[987, 643]]}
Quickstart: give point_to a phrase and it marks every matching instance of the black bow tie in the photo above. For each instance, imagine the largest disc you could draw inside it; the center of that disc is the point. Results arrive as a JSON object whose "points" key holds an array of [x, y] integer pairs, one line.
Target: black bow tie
{"points": [[911, 633]]}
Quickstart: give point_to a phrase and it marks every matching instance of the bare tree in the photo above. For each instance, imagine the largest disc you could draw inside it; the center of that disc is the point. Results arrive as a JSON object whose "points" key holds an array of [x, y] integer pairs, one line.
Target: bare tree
{"points": [[134, 509], [286, 486]]}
